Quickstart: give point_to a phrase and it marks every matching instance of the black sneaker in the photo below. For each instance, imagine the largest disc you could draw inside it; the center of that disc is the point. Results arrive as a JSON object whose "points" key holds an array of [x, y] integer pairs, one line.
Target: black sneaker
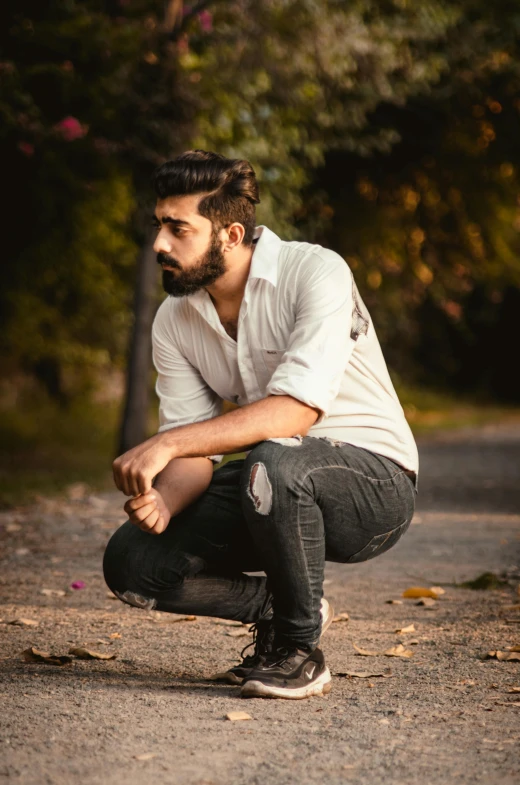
{"points": [[288, 673], [263, 634]]}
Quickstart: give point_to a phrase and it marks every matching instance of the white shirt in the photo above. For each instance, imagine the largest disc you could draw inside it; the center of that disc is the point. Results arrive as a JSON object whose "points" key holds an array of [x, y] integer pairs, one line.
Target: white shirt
{"points": [[303, 331]]}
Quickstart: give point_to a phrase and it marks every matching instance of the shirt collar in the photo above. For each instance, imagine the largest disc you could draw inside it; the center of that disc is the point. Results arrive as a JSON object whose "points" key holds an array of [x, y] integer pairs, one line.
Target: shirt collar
{"points": [[264, 263]]}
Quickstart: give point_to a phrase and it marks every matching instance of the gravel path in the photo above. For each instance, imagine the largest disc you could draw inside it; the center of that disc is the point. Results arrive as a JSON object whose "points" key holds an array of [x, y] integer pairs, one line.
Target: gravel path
{"points": [[444, 715]]}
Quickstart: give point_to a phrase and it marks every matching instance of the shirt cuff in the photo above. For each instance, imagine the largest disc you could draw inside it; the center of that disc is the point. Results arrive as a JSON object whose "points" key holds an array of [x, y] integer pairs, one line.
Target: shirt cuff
{"points": [[302, 388], [215, 458]]}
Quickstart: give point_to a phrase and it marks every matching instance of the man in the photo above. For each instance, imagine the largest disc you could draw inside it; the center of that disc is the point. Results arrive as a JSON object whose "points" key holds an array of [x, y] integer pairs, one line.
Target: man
{"points": [[279, 329]]}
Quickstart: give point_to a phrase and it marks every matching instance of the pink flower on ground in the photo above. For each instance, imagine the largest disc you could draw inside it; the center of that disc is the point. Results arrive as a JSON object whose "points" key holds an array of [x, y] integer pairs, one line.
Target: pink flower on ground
{"points": [[26, 148], [70, 129], [206, 21], [78, 585]]}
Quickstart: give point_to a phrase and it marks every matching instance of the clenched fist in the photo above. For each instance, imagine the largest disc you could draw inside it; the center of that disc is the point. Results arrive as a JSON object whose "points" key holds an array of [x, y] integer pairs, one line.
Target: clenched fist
{"points": [[148, 512], [134, 471]]}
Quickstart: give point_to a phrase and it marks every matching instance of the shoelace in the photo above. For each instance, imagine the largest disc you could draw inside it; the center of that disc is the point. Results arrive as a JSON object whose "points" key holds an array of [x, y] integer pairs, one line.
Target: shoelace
{"points": [[260, 630]]}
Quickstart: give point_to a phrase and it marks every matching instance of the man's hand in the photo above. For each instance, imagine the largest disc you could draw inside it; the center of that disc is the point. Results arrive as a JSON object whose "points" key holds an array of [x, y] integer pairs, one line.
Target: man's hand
{"points": [[148, 512], [134, 471]]}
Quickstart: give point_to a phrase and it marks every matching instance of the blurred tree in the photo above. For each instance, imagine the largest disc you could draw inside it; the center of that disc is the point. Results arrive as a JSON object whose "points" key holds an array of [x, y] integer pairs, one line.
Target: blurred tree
{"points": [[433, 229]]}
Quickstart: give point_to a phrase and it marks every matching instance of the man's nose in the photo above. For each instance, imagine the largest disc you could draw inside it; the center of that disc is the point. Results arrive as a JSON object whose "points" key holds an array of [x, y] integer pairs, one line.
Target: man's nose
{"points": [[161, 243]]}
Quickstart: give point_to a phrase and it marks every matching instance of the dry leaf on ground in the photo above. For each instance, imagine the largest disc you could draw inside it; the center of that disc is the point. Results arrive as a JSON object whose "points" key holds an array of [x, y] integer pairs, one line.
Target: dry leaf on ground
{"points": [[516, 647], [115, 635], [53, 592], [340, 617], [35, 655], [438, 590], [145, 756], [410, 628], [394, 651], [503, 656], [243, 631], [24, 622], [365, 674], [87, 654], [227, 622], [514, 689], [428, 602], [419, 591], [235, 716], [394, 602], [171, 618]]}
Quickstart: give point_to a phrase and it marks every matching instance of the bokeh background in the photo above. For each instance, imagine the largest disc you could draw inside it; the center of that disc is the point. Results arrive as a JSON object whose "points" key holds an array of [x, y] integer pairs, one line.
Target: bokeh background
{"points": [[388, 131]]}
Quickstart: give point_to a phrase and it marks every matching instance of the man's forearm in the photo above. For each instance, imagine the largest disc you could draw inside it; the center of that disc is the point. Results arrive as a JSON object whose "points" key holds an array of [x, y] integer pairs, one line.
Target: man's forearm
{"points": [[241, 429], [274, 416], [182, 481]]}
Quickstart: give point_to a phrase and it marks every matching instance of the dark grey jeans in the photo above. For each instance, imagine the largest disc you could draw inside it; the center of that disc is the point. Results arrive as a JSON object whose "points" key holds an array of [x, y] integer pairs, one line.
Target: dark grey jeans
{"points": [[284, 510]]}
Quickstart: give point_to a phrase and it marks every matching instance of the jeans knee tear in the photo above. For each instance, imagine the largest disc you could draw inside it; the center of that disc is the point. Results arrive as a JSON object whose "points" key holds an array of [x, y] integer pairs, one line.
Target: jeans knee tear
{"points": [[260, 490], [132, 598], [288, 441]]}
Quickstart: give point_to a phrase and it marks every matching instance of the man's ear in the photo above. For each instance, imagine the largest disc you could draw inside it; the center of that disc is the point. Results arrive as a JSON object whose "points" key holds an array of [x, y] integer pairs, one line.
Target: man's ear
{"points": [[235, 234]]}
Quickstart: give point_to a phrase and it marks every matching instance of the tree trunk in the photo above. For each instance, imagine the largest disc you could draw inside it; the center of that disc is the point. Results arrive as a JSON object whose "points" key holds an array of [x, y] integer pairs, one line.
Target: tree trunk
{"points": [[137, 393]]}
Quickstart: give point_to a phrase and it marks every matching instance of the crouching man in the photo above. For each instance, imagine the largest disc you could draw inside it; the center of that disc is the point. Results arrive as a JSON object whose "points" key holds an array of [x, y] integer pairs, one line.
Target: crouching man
{"points": [[330, 472]]}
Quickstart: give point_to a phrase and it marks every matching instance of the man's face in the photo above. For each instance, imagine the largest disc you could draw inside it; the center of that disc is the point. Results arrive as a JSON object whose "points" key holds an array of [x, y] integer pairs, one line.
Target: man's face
{"points": [[187, 246]]}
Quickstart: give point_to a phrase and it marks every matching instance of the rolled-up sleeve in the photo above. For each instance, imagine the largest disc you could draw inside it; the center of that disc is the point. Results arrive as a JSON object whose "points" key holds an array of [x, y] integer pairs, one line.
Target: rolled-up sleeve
{"points": [[184, 396], [320, 345]]}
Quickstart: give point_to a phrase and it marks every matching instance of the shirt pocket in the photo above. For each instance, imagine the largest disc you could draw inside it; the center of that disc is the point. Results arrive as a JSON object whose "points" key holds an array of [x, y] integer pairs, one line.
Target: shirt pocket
{"points": [[265, 363]]}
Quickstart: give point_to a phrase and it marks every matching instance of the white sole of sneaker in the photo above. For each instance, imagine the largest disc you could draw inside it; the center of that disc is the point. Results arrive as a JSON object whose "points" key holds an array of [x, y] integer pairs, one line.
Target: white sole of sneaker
{"points": [[255, 689]]}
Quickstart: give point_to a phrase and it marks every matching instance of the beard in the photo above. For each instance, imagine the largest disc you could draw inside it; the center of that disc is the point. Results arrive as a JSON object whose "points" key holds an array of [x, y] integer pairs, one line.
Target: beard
{"points": [[210, 266]]}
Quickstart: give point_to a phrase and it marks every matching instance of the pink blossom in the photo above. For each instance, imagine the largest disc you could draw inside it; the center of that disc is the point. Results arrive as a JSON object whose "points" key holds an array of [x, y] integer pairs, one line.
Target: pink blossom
{"points": [[26, 148], [78, 585], [70, 129], [206, 21]]}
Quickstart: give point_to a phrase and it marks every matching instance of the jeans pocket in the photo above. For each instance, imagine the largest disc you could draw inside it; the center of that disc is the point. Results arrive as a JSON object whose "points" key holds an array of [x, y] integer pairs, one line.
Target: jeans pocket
{"points": [[379, 543]]}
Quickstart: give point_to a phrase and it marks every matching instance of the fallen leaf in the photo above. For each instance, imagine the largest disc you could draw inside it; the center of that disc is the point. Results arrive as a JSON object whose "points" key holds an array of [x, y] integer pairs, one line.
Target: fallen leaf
{"points": [[398, 651], [340, 617], [438, 590], [515, 607], [419, 591], [394, 602], [514, 689], [365, 674], [34, 655], [235, 716], [503, 656], [53, 592], [172, 618], [394, 651], [428, 602], [513, 648], [145, 756], [21, 622], [115, 635], [227, 622], [87, 654], [78, 585], [238, 633], [402, 630]]}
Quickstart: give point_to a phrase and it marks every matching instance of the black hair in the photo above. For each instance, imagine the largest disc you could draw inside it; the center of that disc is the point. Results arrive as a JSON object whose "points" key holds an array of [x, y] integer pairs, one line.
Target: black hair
{"points": [[230, 185]]}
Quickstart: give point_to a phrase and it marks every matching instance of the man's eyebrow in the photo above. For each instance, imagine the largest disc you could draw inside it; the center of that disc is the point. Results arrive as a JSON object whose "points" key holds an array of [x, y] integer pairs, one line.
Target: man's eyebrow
{"points": [[167, 220]]}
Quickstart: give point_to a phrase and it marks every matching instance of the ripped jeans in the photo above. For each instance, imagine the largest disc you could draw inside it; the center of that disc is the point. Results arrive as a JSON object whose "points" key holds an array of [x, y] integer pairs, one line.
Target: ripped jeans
{"points": [[285, 509]]}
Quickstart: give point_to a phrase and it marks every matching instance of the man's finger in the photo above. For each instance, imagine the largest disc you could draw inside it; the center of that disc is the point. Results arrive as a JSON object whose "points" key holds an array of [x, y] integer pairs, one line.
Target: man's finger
{"points": [[138, 501], [139, 516], [148, 524]]}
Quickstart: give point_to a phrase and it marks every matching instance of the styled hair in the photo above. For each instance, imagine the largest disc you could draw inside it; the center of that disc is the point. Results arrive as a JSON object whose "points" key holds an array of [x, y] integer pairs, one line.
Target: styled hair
{"points": [[230, 185]]}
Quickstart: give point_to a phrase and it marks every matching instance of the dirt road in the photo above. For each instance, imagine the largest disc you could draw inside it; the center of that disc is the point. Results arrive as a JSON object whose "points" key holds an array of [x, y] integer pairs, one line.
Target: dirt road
{"points": [[443, 716]]}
